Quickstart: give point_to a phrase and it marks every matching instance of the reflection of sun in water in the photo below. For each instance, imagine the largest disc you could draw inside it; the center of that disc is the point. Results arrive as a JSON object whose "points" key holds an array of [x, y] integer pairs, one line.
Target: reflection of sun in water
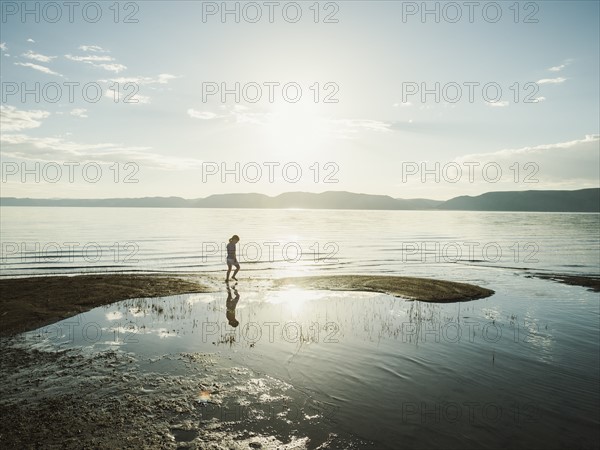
{"points": [[114, 315], [203, 396], [293, 300]]}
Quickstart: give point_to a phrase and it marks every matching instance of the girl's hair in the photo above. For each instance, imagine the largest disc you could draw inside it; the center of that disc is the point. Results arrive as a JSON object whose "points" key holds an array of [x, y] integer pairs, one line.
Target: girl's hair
{"points": [[234, 237]]}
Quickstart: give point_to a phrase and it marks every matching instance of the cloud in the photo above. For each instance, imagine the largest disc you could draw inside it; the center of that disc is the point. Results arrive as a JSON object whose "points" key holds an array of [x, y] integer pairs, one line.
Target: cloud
{"points": [[139, 99], [60, 150], [162, 78], [336, 128], [499, 104], [57, 149], [3, 46], [39, 68], [557, 68], [564, 163], [238, 114], [124, 84], [560, 67], [243, 114], [203, 115], [13, 119], [125, 96], [395, 105], [552, 80], [90, 58], [31, 40], [355, 125], [92, 48], [351, 128], [114, 67], [105, 62], [38, 57], [540, 99], [79, 112]]}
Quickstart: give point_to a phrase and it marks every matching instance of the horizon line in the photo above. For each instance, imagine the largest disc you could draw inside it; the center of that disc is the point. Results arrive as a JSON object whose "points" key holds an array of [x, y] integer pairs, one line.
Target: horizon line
{"points": [[292, 192]]}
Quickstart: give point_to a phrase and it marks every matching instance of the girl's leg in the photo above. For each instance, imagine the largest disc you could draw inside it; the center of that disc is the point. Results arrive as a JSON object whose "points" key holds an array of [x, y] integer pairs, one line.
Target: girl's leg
{"points": [[237, 268], [228, 272]]}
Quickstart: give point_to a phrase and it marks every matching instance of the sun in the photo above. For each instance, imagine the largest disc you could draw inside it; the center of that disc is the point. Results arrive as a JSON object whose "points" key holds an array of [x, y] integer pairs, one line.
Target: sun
{"points": [[295, 128]]}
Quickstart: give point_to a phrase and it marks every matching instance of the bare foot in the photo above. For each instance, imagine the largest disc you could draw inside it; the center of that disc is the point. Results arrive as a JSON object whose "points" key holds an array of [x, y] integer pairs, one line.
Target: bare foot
{"points": [[234, 278]]}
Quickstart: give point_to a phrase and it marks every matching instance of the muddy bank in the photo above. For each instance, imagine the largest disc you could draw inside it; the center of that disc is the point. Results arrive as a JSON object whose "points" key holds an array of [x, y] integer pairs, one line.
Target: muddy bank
{"points": [[423, 289], [30, 303], [590, 282], [111, 399]]}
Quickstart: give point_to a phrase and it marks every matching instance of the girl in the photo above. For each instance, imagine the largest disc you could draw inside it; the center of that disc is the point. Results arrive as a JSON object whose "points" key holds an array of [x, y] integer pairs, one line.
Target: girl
{"points": [[231, 258]]}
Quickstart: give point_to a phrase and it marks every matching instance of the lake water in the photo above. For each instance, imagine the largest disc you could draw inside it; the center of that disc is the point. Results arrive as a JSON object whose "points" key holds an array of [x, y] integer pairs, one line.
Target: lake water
{"points": [[520, 369], [276, 242]]}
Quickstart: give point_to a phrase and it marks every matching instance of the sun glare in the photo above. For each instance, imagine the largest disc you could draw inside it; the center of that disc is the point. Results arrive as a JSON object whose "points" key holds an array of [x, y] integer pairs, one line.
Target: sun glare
{"points": [[294, 299], [295, 128]]}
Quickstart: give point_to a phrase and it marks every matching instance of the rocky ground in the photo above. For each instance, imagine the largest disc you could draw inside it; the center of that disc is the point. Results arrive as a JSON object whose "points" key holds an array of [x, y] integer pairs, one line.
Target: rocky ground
{"points": [[111, 399]]}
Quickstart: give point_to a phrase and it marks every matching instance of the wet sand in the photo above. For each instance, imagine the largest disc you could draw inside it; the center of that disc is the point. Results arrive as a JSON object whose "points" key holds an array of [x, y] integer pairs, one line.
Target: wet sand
{"points": [[71, 400], [30, 303], [423, 289], [590, 282]]}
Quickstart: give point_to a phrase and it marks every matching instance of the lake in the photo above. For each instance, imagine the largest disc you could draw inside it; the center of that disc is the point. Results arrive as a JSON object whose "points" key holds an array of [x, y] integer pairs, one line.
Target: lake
{"points": [[276, 242], [520, 369]]}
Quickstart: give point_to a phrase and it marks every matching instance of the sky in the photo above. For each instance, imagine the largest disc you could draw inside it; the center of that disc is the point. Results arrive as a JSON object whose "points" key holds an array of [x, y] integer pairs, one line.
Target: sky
{"points": [[190, 99]]}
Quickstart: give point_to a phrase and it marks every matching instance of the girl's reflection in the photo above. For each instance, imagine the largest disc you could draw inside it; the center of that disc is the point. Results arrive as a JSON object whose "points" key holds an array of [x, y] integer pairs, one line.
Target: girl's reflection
{"points": [[230, 306]]}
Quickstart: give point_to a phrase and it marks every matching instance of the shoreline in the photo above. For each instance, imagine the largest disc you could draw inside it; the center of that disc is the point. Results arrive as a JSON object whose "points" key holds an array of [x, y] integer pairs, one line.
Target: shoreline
{"points": [[30, 303], [591, 282], [412, 288], [33, 302]]}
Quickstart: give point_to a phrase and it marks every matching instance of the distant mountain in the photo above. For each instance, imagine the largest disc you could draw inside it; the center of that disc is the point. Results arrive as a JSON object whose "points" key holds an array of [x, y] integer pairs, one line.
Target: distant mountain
{"points": [[234, 201], [584, 200], [306, 200], [349, 200], [145, 202]]}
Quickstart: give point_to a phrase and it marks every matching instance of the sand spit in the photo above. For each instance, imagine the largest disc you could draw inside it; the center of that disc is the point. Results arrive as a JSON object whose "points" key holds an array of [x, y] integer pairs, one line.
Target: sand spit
{"points": [[30, 303], [423, 289]]}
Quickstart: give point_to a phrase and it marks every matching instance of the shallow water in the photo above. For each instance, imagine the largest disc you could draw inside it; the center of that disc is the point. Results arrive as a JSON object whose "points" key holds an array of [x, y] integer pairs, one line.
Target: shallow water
{"points": [[512, 370], [283, 242]]}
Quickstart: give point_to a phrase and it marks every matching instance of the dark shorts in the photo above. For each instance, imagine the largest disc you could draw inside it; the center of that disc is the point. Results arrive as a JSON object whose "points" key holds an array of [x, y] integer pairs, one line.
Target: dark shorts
{"points": [[233, 262]]}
